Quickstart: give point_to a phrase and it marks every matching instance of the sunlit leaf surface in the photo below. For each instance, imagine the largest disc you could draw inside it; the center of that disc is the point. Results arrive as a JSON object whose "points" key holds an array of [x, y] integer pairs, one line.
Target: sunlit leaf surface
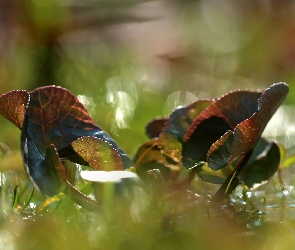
{"points": [[13, 106], [98, 153]]}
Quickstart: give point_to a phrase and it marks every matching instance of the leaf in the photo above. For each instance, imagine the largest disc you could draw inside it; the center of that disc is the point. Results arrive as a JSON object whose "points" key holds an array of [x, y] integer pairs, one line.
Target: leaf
{"points": [[213, 122], [283, 154], [234, 107], [248, 132], [148, 157], [214, 176], [46, 173], [244, 112], [261, 166], [260, 170], [171, 137], [155, 127], [54, 163], [13, 106], [98, 153], [195, 149], [221, 150], [49, 201], [288, 162], [55, 116]]}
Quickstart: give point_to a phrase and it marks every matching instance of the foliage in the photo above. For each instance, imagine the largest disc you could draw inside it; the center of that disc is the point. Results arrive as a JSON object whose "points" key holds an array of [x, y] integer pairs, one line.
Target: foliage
{"points": [[219, 140]]}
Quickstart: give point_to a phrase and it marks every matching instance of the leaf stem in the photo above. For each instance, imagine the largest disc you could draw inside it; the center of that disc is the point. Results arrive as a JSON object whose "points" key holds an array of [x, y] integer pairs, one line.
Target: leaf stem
{"points": [[80, 198], [232, 180], [108, 198]]}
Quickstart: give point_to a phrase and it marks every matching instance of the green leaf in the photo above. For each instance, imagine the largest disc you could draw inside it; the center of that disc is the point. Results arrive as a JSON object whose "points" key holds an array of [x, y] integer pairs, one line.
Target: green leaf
{"points": [[214, 176], [288, 162], [99, 154], [149, 157], [283, 153]]}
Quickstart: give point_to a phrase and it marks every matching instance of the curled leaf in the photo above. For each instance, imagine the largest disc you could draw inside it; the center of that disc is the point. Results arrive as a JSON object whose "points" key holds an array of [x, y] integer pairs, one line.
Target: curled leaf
{"points": [[248, 132], [245, 113]]}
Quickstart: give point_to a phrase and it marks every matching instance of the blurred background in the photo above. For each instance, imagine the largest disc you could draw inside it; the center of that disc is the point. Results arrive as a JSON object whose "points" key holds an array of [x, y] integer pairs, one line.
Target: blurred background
{"points": [[131, 60]]}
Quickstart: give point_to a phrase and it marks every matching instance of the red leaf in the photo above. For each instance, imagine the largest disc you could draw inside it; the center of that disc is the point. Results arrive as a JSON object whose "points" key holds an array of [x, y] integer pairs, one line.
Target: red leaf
{"points": [[248, 132], [155, 127], [234, 107], [13, 106], [56, 116], [179, 121]]}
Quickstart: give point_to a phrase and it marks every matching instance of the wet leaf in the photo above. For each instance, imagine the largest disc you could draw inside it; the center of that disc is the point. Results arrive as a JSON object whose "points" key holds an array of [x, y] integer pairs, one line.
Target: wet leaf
{"points": [[13, 106], [98, 153]]}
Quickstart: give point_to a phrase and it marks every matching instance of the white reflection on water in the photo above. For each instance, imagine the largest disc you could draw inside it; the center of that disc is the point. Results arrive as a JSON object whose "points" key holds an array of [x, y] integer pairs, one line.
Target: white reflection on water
{"points": [[123, 98]]}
